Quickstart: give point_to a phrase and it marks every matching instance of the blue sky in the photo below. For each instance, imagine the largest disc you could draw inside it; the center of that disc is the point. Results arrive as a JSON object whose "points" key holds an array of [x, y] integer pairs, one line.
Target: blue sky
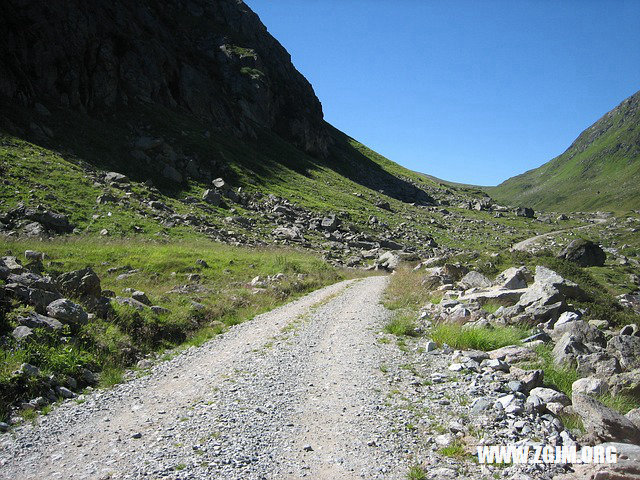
{"points": [[468, 91]]}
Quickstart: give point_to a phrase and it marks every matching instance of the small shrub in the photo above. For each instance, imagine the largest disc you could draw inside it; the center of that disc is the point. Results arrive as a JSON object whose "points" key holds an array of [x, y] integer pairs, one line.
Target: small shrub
{"points": [[455, 450], [416, 472], [110, 376]]}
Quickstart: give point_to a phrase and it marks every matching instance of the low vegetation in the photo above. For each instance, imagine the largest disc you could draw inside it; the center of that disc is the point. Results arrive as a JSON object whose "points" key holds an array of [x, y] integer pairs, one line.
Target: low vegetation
{"points": [[219, 296], [416, 472], [484, 339], [402, 324]]}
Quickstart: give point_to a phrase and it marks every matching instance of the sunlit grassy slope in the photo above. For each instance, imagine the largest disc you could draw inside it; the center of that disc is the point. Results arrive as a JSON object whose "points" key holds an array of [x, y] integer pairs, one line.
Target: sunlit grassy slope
{"points": [[600, 170], [59, 173]]}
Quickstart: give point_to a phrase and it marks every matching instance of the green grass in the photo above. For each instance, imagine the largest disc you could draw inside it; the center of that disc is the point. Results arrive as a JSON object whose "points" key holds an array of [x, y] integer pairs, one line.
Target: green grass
{"points": [[491, 307], [455, 450], [561, 378], [416, 472], [405, 290], [348, 181], [110, 376], [477, 338], [29, 414], [402, 324], [572, 421]]}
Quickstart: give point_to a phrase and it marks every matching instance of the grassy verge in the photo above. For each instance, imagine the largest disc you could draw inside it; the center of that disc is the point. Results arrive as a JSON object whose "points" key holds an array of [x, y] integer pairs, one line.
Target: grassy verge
{"points": [[477, 338], [218, 296], [406, 291]]}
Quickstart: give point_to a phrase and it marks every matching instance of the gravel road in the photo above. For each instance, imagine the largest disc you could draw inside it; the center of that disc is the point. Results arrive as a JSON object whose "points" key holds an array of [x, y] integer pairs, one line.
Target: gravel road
{"points": [[533, 242], [297, 392]]}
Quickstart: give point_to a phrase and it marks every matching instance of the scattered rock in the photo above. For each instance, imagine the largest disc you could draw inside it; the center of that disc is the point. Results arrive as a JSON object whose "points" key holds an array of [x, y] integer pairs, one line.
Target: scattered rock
{"points": [[22, 333], [548, 395], [66, 311], [114, 177], [590, 386], [141, 297], [212, 197]]}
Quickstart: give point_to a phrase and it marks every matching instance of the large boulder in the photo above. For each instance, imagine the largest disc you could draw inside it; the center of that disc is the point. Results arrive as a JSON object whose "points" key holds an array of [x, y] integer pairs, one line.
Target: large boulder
{"points": [[602, 423], [10, 265], [131, 302], [388, 261], [529, 379], [67, 312], [22, 333], [525, 212], [549, 395], [541, 295], [115, 177], [330, 223], [513, 354], [475, 280], [546, 276], [600, 364], [454, 271], [212, 197], [567, 349], [288, 233], [35, 320], [590, 386], [170, 173], [582, 332], [496, 296], [584, 252], [626, 383], [627, 466], [52, 221]]}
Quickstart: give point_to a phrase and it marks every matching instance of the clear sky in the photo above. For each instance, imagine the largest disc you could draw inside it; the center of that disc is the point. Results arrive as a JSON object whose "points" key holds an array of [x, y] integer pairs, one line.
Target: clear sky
{"points": [[469, 91]]}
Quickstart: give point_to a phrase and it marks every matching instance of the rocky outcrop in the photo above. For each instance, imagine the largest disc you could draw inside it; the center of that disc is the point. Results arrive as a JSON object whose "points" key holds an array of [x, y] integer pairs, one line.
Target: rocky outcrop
{"points": [[93, 56]]}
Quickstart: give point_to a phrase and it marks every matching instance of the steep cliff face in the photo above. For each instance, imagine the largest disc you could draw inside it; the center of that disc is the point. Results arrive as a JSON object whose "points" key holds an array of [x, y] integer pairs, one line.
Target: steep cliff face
{"points": [[211, 58]]}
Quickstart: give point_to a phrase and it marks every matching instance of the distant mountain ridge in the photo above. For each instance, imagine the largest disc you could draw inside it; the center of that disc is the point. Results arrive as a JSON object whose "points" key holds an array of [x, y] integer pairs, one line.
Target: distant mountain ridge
{"points": [[600, 170]]}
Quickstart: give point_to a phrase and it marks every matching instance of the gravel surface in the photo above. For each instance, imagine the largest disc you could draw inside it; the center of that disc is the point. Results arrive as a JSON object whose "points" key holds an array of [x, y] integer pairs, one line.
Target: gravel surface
{"points": [[314, 389], [296, 392]]}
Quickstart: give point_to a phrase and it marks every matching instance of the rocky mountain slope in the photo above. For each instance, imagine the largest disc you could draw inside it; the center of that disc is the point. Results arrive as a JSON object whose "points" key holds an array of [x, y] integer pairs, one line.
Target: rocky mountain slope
{"points": [[598, 171], [116, 120]]}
